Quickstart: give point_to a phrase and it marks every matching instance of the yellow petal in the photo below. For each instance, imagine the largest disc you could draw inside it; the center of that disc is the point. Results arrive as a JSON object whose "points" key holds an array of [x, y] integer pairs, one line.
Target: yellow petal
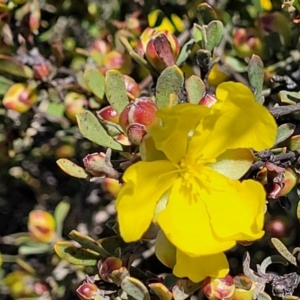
{"points": [[236, 209], [145, 183], [197, 268], [237, 121], [233, 163], [186, 224], [171, 135]]}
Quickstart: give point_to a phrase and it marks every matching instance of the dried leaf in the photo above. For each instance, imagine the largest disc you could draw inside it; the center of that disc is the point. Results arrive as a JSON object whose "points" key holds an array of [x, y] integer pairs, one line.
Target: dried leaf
{"points": [[281, 248]]}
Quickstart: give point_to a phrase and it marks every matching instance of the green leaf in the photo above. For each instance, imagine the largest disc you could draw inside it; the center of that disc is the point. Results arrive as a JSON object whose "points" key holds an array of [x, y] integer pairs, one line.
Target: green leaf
{"points": [[76, 256], [72, 169], [115, 90], [298, 211], [8, 65], [135, 288], [205, 14], [91, 128], [95, 82], [284, 131], [281, 248], [197, 33], [88, 243], [169, 82], [214, 33], [195, 88], [184, 288], [110, 244], [5, 84], [185, 52], [30, 248], [256, 77], [55, 109], [60, 213]]}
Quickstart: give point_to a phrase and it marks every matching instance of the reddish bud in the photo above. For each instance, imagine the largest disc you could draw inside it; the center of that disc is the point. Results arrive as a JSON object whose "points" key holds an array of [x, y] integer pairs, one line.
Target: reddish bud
{"points": [[208, 100], [87, 291], [137, 117], [41, 71], [160, 47], [101, 46], [111, 270], [20, 97], [96, 163], [118, 61], [111, 185], [74, 104], [41, 226], [132, 88], [246, 42], [109, 114], [218, 288]]}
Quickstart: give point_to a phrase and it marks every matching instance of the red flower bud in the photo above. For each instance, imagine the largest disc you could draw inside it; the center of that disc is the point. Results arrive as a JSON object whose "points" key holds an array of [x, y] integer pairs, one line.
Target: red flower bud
{"points": [[161, 48], [96, 163], [87, 291], [132, 88], [111, 270], [20, 97], [208, 100], [218, 288], [108, 113], [41, 71], [137, 117]]}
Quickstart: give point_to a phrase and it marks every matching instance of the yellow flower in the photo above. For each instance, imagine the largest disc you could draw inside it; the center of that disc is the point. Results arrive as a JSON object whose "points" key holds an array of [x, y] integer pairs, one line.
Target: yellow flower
{"points": [[266, 4], [190, 186]]}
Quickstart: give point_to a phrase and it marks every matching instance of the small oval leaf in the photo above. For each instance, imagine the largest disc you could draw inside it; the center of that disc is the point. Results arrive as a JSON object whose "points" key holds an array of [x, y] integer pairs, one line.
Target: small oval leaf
{"points": [[161, 291], [284, 131], [71, 168], [281, 248], [214, 33], [115, 90], [60, 214], [169, 82], [74, 255], [95, 82], [90, 128], [135, 288], [195, 88], [256, 77]]}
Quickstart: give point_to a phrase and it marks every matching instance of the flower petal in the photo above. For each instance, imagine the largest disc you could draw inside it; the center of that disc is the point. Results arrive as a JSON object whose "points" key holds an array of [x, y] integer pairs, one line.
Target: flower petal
{"points": [[233, 163], [186, 224], [197, 268], [171, 136], [145, 183], [236, 209], [236, 121]]}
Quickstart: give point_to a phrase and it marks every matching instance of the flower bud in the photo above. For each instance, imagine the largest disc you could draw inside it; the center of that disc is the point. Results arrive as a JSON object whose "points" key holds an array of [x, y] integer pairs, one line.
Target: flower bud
{"points": [[111, 270], [246, 42], [160, 47], [101, 46], [20, 97], [290, 181], [109, 114], [218, 288], [142, 111], [111, 185], [118, 61], [132, 88], [41, 226], [208, 100], [135, 133], [87, 291], [74, 104], [41, 71]]}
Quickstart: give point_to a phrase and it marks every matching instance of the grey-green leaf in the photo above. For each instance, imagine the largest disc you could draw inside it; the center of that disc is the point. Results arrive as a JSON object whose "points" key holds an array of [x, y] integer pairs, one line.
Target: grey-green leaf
{"points": [[90, 128], [284, 131], [115, 90], [214, 32], [281, 248], [256, 77], [95, 82], [135, 288], [169, 82], [195, 88]]}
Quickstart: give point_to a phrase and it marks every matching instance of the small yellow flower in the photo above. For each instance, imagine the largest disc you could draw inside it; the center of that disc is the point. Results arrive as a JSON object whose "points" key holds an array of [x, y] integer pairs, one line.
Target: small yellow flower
{"points": [[266, 4], [190, 186]]}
